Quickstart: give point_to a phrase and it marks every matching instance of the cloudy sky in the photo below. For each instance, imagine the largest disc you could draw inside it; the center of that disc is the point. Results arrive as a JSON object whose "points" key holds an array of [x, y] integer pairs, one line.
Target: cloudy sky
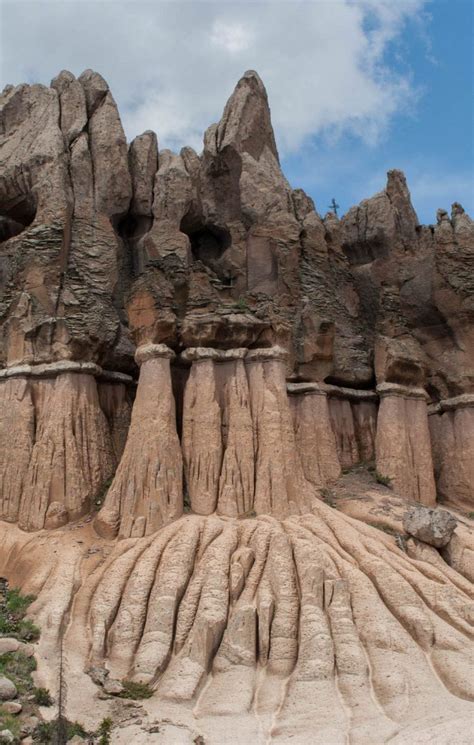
{"points": [[355, 86]]}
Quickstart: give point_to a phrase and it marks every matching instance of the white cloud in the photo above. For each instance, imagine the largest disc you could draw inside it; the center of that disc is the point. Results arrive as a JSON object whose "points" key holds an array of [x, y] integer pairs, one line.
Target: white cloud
{"points": [[233, 37], [172, 65]]}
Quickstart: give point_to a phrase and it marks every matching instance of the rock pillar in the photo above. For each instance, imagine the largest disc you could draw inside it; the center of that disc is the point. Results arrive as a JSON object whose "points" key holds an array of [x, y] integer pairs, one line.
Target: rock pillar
{"points": [[315, 438], [452, 435], [218, 433], [280, 485], [403, 446], [146, 492], [55, 443]]}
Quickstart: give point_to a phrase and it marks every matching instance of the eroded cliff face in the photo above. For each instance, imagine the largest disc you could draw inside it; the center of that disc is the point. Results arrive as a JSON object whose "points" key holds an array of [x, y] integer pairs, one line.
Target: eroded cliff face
{"points": [[185, 333]]}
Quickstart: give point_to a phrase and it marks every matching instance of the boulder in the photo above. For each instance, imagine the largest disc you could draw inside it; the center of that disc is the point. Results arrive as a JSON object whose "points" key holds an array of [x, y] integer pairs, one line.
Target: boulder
{"points": [[7, 689], [430, 526]]}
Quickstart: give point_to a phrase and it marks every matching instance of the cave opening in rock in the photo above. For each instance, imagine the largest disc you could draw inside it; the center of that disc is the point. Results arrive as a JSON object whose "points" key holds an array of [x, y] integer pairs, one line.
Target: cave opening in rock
{"points": [[208, 242], [16, 216]]}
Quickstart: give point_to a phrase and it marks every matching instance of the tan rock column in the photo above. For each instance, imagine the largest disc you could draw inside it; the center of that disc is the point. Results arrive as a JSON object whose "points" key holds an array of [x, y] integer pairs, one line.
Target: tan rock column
{"points": [[315, 438], [217, 438], [17, 431], [354, 416], [202, 431], [280, 486], [342, 419], [403, 445], [452, 436], [69, 454], [146, 492], [237, 478], [115, 395]]}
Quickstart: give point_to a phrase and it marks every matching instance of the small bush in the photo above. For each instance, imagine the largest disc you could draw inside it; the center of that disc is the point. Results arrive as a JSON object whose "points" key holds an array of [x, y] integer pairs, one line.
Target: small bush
{"points": [[135, 690], [11, 722], [104, 731], [18, 668], [27, 631], [241, 304], [42, 697], [470, 515], [12, 621], [380, 479], [17, 604], [50, 732]]}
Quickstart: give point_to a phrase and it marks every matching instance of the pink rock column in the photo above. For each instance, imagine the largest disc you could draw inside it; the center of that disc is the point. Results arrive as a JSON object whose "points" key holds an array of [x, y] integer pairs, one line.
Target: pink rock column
{"points": [[452, 435], [146, 492], [72, 456], [17, 431], [315, 438], [280, 486], [218, 433], [403, 445]]}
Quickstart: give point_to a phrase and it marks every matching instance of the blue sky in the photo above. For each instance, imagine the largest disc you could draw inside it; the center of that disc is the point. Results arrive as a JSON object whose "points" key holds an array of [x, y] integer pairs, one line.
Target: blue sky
{"points": [[356, 87], [432, 140]]}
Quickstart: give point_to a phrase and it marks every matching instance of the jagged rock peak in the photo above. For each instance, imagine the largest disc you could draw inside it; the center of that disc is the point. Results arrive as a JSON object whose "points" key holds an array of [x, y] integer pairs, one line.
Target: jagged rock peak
{"points": [[400, 199], [95, 88], [246, 121]]}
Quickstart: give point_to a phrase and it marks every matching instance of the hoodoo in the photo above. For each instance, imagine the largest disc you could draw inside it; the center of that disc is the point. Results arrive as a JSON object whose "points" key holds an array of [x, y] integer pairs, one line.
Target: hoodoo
{"points": [[216, 409]]}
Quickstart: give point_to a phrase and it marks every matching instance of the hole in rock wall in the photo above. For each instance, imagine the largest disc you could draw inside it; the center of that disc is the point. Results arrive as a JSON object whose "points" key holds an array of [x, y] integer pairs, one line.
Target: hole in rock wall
{"points": [[208, 244], [364, 252], [16, 216]]}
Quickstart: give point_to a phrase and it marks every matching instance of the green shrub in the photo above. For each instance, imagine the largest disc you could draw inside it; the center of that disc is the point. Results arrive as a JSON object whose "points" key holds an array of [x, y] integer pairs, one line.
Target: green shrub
{"points": [[17, 604], [49, 732], [104, 731], [470, 515], [241, 304], [18, 668], [380, 479], [42, 697], [11, 722], [12, 620], [135, 690]]}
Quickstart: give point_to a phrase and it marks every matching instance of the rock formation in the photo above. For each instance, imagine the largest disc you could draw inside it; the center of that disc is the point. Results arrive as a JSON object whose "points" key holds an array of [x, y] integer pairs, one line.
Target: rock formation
{"points": [[184, 333]]}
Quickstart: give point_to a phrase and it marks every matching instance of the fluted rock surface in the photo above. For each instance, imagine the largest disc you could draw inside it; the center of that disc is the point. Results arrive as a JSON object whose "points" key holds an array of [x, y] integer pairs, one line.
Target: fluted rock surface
{"points": [[184, 333]]}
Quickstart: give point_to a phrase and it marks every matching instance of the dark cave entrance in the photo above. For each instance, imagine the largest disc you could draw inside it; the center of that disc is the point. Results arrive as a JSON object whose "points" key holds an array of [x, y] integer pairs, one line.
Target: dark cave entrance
{"points": [[208, 242], [16, 216]]}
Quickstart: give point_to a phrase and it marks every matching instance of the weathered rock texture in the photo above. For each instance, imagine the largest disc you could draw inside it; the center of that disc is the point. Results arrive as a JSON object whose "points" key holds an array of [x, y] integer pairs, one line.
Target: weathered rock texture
{"points": [[146, 492], [185, 333], [435, 527]]}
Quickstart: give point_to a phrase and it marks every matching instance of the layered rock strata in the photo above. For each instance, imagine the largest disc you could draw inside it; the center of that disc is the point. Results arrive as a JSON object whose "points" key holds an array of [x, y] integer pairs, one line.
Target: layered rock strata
{"points": [[105, 247]]}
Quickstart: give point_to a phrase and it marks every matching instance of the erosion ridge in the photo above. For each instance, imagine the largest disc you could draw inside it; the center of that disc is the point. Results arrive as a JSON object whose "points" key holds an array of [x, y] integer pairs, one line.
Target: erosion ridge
{"points": [[184, 333]]}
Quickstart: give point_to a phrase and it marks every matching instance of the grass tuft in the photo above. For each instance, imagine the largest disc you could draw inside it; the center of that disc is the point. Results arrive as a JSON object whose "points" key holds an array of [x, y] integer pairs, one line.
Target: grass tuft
{"points": [[135, 690], [381, 479]]}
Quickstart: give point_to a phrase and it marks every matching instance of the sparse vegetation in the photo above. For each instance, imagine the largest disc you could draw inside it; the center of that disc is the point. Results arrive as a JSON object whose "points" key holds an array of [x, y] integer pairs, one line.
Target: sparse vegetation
{"points": [[11, 722], [470, 515], [135, 690], [328, 497], [42, 697], [241, 304], [50, 732], [104, 731], [17, 666], [12, 620], [381, 479]]}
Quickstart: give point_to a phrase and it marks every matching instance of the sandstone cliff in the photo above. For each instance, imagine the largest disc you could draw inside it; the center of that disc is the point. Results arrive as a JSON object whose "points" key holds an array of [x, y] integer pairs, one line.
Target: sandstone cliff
{"points": [[184, 333]]}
